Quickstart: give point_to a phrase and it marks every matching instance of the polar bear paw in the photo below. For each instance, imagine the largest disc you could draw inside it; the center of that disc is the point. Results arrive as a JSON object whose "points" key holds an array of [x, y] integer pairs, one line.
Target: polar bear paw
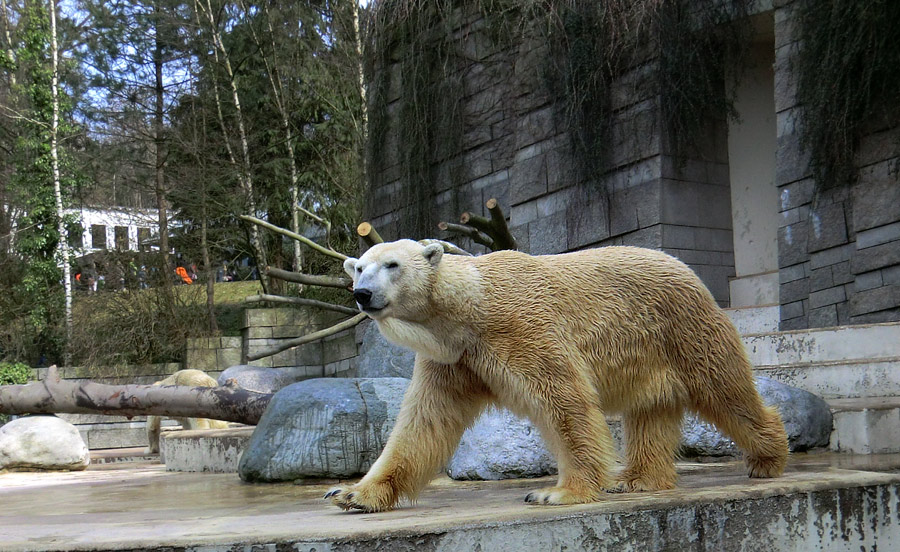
{"points": [[642, 483], [557, 496], [372, 498]]}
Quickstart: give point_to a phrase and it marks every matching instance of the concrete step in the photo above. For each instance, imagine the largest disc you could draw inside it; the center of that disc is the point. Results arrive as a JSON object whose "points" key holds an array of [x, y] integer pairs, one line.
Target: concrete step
{"points": [[123, 455], [820, 345], [842, 379], [755, 320], [866, 426], [205, 450], [816, 505], [117, 435]]}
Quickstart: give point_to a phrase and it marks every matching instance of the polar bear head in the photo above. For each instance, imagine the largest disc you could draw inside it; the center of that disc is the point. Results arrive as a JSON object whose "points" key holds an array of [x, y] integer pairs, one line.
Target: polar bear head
{"points": [[394, 279]]}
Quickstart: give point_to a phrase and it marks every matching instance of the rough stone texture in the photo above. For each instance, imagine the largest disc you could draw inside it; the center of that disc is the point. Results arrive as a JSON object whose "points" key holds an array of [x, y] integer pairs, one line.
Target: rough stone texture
{"points": [[807, 420], [811, 508], [378, 358], [501, 446], [323, 428], [42, 443], [260, 378], [204, 450]]}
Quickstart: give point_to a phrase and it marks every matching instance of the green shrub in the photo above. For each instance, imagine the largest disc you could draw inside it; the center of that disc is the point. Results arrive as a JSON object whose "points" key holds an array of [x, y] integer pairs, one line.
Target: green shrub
{"points": [[14, 373]]}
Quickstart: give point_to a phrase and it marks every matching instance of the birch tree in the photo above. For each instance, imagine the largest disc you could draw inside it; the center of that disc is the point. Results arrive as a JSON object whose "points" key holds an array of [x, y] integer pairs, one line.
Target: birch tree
{"points": [[57, 184], [206, 17]]}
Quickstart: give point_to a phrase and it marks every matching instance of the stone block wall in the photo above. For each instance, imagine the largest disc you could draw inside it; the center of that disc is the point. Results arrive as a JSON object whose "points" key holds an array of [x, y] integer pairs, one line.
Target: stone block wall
{"points": [[214, 354], [116, 375], [332, 356], [838, 249], [517, 147]]}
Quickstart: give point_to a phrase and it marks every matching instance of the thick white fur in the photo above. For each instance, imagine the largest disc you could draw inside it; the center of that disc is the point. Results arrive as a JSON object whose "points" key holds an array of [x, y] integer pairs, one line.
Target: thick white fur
{"points": [[561, 339], [190, 378]]}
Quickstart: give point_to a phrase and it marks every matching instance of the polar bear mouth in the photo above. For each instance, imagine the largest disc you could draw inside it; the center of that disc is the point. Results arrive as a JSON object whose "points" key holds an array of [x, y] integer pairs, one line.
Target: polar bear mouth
{"points": [[373, 310]]}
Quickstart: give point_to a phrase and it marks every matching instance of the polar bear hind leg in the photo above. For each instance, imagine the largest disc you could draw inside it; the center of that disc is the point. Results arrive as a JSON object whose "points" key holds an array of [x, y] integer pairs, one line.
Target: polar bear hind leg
{"points": [[652, 435]]}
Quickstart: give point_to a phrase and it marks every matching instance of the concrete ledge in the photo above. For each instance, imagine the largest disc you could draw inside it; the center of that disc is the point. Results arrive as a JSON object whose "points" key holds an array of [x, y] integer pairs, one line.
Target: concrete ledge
{"points": [[842, 379], [866, 426], [205, 450], [865, 341], [815, 506]]}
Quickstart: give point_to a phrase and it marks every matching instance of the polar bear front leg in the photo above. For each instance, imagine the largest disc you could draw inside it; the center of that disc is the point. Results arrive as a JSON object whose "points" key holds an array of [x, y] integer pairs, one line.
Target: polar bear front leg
{"points": [[441, 401], [575, 428]]}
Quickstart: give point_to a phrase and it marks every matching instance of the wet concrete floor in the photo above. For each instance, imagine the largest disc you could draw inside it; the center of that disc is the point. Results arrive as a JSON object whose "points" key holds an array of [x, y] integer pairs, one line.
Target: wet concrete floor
{"points": [[141, 506]]}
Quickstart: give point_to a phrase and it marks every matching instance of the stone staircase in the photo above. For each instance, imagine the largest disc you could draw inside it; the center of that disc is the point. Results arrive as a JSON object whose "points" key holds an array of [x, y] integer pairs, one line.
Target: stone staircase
{"points": [[856, 369]]}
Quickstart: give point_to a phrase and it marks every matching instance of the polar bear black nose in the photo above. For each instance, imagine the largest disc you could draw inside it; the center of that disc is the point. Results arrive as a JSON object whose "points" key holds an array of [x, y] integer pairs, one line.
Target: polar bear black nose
{"points": [[362, 296]]}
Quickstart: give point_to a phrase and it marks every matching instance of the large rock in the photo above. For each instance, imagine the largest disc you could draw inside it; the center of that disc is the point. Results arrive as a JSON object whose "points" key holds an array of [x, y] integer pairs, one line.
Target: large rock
{"points": [[42, 443], [501, 446], [807, 420], [323, 428], [378, 358], [259, 378]]}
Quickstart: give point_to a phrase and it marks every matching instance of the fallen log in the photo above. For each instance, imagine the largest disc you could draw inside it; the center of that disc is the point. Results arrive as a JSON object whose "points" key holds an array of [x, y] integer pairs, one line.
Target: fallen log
{"points": [[53, 395]]}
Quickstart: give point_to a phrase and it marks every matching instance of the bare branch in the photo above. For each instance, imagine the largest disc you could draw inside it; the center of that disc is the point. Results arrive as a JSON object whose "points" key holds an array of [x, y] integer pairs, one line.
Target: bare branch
{"points": [[309, 279], [300, 301], [295, 236], [53, 395], [297, 341], [467, 231], [495, 227], [503, 238]]}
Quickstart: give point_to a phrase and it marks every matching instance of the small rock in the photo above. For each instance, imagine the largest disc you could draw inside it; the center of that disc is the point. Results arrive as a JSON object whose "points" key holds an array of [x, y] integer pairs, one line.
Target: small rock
{"points": [[379, 358], [807, 421], [323, 428], [259, 378], [501, 446], [42, 443]]}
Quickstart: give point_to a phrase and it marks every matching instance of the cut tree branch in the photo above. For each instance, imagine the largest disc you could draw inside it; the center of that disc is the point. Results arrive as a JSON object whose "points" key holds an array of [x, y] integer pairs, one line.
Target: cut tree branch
{"points": [[301, 302], [494, 227], [467, 231], [368, 234], [297, 341], [309, 279], [53, 395], [295, 236]]}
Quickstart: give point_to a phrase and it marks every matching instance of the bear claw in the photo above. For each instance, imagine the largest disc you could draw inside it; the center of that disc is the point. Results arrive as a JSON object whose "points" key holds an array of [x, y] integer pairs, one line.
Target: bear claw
{"points": [[331, 493]]}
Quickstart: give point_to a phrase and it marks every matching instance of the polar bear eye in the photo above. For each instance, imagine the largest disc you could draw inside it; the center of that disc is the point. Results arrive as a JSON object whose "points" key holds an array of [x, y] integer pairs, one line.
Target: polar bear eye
{"points": [[359, 270], [392, 264]]}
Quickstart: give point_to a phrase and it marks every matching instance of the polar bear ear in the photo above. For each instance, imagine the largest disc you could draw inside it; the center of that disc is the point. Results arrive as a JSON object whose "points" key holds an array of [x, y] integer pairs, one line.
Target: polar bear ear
{"points": [[433, 253], [350, 266]]}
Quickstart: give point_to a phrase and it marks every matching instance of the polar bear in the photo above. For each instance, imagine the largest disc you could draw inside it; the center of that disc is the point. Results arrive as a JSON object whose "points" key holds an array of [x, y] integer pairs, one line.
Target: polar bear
{"points": [[190, 378], [562, 340]]}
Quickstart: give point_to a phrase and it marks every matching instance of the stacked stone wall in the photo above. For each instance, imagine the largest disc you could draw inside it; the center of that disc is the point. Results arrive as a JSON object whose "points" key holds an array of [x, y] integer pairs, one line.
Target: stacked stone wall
{"points": [[839, 249]]}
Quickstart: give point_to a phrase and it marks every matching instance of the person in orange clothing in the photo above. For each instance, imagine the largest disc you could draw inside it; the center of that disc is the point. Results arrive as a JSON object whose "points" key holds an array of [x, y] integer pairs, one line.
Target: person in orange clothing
{"points": [[182, 273]]}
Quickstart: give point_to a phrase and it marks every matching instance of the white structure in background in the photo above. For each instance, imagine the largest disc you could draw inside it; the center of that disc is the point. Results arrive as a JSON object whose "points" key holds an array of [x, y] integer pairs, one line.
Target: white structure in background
{"points": [[117, 228]]}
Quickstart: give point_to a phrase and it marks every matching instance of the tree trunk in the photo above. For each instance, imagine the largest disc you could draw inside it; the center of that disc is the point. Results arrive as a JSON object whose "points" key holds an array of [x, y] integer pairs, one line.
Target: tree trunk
{"points": [[159, 164], [210, 275], [57, 185], [55, 396], [244, 167]]}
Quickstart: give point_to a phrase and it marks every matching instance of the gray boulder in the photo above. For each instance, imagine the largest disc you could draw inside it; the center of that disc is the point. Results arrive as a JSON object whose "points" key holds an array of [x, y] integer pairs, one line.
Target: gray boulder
{"points": [[378, 358], [259, 378], [501, 446], [807, 420], [323, 428], [42, 443]]}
